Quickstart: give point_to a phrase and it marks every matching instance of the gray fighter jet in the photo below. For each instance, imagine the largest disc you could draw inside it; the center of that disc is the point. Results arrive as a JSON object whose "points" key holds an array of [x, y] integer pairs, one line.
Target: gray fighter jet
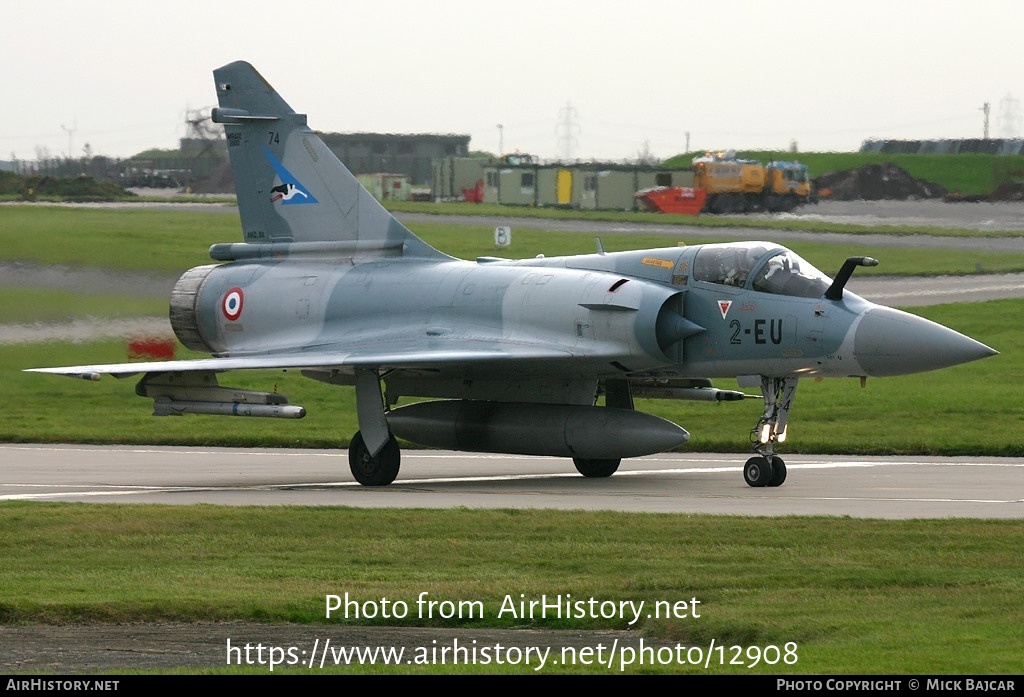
{"points": [[537, 356]]}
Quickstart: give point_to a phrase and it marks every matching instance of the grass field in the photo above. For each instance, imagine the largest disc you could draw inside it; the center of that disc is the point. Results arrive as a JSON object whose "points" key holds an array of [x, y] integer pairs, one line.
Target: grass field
{"points": [[970, 173], [852, 596], [32, 305], [703, 221], [171, 242]]}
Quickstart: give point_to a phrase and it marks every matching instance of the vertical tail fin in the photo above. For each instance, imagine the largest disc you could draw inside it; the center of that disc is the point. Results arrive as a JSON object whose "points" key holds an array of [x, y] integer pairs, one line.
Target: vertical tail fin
{"points": [[291, 187]]}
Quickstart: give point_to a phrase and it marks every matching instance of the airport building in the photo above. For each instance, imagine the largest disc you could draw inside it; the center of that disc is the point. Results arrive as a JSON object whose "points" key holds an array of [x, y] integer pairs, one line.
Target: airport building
{"points": [[397, 153], [519, 180]]}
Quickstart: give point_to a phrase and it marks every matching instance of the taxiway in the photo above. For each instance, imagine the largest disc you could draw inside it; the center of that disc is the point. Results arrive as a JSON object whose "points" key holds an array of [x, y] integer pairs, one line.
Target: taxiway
{"points": [[862, 487]]}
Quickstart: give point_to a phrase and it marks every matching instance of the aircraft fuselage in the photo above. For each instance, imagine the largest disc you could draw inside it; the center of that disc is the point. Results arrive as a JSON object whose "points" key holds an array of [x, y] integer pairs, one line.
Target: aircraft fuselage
{"points": [[597, 315]]}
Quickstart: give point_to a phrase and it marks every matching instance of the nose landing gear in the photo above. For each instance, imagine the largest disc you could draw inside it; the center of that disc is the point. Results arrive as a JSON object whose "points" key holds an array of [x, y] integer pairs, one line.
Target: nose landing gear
{"points": [[768, 469]]}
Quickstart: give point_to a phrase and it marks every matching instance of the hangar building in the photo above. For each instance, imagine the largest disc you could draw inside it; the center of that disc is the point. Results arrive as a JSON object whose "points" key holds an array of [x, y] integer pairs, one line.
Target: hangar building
{"points": [[396, 153]]}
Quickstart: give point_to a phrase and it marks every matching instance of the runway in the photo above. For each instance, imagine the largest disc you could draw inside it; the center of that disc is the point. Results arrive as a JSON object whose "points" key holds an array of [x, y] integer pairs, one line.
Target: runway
{"points": [[861, 487]]}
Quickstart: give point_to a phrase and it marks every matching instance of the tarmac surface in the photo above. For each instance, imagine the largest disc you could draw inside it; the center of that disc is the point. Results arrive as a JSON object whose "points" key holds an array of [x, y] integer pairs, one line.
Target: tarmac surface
{"points": [[861, 487]]}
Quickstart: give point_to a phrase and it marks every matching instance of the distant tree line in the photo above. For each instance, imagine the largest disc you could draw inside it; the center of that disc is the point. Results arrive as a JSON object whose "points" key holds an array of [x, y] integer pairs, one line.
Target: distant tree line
{"points": [[152, 168], [34, 187]]}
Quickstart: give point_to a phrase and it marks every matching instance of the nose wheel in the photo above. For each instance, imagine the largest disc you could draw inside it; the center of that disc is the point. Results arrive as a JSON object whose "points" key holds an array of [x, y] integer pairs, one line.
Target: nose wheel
{"points": [[768, 469], [764, 471]]}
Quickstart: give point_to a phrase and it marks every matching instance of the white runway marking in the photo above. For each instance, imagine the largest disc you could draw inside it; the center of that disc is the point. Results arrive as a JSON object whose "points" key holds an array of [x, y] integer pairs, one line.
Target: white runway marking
{"points": [[693, 483], [713, 464]]}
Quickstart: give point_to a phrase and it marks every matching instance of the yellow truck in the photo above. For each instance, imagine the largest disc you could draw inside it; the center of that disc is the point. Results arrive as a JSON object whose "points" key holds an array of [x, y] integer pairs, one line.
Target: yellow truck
{"points": [[744, 186]]}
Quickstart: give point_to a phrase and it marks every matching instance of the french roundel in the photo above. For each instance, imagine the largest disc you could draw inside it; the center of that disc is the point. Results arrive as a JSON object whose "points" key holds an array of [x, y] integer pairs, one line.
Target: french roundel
{"points": [[231, 305]]}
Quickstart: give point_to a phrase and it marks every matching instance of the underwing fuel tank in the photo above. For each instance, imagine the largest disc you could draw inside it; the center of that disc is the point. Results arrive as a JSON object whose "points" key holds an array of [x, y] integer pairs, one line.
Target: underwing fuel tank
{"points": [[535, 429]]}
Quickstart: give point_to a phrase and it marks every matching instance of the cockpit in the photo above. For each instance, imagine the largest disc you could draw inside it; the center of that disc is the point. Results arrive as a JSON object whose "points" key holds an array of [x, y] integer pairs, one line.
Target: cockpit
{"points": [[760, 267]]}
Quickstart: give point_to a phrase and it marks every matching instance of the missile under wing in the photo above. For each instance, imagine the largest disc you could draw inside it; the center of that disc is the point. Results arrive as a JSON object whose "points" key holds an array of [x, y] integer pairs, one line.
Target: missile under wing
{"points": [[538, 356]]}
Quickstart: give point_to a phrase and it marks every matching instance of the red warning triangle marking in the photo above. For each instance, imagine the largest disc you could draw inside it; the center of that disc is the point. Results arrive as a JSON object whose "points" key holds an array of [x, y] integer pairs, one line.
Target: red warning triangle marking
{"points": [[723, 306]]}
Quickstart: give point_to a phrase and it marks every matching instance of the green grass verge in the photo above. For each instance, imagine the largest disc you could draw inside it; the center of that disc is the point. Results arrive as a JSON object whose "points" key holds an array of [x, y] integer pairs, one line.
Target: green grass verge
{"points": [[472, 241], [34, 305], [970, 173], [855, 596], [168, 242], [970, 409], [687, 221], [162, 241]]}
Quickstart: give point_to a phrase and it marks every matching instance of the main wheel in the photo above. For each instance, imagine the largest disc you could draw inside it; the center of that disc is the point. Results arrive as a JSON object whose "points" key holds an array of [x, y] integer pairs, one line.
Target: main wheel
{"points": [[778, 472], [374, 471], [595, 467], [758, 471]]}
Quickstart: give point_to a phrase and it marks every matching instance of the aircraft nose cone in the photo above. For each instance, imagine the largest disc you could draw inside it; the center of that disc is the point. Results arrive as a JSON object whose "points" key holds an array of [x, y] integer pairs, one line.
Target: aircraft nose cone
{"points": [[891, 342]]}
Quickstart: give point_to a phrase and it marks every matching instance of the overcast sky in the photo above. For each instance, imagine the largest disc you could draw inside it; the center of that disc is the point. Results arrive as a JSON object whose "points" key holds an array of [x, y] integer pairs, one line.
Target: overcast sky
{"points": [[730, 73]]}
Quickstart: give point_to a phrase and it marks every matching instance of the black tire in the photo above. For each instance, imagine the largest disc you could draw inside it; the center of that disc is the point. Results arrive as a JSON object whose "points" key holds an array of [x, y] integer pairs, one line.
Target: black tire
{"points": [[778, 472], [758, 471], [595, 467], [789, 203], [374, 471]]}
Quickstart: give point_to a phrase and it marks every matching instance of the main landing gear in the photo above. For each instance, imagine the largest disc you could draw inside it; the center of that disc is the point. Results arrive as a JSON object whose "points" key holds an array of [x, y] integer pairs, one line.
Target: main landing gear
{"points": [[768, 469], [373, 455], [377, 470]]}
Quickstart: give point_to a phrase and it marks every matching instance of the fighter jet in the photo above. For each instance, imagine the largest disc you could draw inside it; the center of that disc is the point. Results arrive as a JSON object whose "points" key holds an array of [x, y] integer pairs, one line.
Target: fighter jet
{"points": [[539, 356]]}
